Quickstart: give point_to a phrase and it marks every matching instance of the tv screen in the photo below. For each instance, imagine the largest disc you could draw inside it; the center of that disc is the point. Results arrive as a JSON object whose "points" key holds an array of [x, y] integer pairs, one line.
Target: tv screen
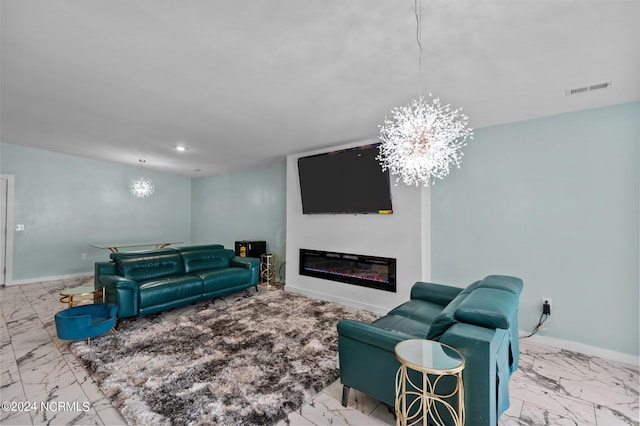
{"points": [[345, 181]]}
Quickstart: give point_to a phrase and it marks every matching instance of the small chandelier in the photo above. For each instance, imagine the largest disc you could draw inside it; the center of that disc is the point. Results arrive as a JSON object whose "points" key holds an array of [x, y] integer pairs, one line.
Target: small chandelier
{"points": [[141, 187], [421, 141]]}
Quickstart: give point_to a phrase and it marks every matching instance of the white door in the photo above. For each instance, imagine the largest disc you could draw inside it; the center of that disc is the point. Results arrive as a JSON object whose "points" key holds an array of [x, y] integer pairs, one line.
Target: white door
{"points": [[4, 184]]}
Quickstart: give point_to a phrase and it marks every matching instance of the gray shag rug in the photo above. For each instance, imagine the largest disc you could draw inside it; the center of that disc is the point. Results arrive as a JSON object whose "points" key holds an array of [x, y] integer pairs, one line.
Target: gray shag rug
{"points": [[251, 362]]}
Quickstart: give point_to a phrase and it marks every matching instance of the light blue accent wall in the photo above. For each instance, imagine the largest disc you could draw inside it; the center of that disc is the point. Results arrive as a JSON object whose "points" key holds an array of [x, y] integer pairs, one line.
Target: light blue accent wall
{"points": [[554, 201], [249, 204], [67, 203]]}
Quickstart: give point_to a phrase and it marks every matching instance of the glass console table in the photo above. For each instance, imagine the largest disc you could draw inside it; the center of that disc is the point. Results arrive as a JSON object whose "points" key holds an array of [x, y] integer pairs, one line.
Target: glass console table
{"points": [[113, 247], [428, 381]]}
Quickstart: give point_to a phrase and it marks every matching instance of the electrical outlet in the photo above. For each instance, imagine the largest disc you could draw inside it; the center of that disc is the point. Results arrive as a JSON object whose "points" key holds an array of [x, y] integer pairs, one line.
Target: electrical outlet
{"points": [[547, 303], [83, 256]]}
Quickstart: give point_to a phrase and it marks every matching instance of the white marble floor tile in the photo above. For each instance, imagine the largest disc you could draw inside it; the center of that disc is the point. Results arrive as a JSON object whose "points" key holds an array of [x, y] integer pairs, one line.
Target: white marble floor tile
{"points": [[511, 416], [357, 400], [535, 415], [65, 406], [384, 415], [325, 410]]}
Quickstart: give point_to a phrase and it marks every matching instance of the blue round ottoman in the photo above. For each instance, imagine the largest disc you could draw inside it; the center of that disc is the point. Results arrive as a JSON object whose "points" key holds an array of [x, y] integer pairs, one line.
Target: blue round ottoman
{"points": [[86, 321]]}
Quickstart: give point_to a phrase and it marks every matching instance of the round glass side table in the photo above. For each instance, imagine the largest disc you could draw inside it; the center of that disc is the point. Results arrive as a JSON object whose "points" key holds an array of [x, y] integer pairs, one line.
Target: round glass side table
{"points": [[428, 381]]}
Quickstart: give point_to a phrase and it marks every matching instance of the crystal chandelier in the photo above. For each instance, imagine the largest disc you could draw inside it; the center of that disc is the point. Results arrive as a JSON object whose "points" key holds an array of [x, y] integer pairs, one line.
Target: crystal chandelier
{"points": [[421, 141], [141, 187]]}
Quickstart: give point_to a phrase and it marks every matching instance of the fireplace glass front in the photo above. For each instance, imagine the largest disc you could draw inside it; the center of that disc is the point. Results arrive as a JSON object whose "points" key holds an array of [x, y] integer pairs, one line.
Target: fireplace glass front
{"points": [[368, 271]]}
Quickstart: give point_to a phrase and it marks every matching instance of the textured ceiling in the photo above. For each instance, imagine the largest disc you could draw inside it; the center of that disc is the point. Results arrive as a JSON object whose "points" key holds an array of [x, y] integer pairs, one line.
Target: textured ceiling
{"points": [[246, 83]]}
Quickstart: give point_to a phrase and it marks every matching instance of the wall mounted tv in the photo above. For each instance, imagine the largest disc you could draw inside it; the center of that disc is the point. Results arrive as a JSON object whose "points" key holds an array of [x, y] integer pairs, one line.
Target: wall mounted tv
{"points": [[345, 181]]}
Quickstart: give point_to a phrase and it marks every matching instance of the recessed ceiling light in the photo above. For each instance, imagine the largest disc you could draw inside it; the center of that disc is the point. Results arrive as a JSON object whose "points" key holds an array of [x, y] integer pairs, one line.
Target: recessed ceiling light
{"points": [[181, 148]]}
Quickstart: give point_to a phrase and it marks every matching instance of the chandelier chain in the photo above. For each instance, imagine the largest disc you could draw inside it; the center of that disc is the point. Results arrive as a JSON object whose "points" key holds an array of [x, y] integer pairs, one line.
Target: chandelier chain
{"points": [[417, 9]]}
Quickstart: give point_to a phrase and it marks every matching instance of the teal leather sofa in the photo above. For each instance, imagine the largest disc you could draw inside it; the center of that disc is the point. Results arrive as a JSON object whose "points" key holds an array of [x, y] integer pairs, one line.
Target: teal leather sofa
{"points": [[480, 321], [148, 282]]}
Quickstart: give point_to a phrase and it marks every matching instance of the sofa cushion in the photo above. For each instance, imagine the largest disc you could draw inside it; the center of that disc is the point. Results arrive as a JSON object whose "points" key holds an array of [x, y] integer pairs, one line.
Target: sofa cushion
{"points": [[218, 279], [408, 326], [446, 317], [204, 260], [168, 289], [145, 268], [488, 307], [418, 310]]}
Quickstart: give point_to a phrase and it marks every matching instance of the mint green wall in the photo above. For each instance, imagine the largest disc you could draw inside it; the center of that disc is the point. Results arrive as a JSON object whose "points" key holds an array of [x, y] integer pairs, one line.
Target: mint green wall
{"points": [[246, 205], [554, 201], [67, 203]]}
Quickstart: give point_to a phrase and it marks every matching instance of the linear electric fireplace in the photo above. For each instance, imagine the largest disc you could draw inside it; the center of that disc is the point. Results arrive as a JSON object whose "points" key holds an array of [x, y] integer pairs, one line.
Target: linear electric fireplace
{"points": [[358, 269]]}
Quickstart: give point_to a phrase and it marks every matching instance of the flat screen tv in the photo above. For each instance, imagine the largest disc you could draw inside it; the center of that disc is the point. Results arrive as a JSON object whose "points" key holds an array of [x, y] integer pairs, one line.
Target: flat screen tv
{"points": [[345, 181]]}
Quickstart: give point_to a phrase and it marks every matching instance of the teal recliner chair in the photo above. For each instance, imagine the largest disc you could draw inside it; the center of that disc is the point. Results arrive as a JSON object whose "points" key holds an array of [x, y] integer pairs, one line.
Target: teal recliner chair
{"points": [[480, 321]]}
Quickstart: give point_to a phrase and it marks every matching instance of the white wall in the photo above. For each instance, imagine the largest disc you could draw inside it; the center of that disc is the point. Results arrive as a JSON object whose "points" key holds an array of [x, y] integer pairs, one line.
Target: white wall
{"points": [[404, 235], [247, 204], [67, 203], [553, 201]]}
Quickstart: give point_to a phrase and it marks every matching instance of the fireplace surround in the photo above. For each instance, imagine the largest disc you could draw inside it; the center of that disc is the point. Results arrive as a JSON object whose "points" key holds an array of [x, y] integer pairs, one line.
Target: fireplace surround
{"points": [[363, 270]]}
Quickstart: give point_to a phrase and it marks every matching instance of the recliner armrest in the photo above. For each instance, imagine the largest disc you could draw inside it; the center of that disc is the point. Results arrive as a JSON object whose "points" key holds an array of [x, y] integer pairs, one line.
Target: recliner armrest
{"points": [[251, 263], [436, 293], [103, 268], [118, 282], [244, 262], [371, 335], [123, 292]]}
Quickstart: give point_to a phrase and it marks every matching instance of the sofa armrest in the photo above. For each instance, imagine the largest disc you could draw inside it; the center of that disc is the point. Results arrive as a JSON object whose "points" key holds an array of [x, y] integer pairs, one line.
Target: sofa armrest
{"points": [[367, 358], [123, 292], [244, 262], [371, 335], [481, 348], [250, 263], [103, 268], [439, 294]]}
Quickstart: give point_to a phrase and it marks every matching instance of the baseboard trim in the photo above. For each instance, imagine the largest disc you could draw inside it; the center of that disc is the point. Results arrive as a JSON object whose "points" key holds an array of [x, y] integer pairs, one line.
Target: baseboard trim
{"points": [[379, 310], [51, 278], [585, 349]]}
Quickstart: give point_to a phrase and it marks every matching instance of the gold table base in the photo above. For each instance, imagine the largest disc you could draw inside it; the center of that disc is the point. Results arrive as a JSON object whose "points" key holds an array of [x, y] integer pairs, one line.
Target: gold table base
{"points": [[81, 296], [420, 403]]}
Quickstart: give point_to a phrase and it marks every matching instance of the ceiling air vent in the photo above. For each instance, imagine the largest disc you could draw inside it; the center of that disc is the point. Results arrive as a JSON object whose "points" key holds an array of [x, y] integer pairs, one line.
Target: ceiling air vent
{"points": [[590, 88]]}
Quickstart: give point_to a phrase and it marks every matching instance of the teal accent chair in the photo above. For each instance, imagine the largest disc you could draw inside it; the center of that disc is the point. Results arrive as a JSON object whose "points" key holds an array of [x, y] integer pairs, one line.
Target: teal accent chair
{"points": [[86, 321], [480, 321]]}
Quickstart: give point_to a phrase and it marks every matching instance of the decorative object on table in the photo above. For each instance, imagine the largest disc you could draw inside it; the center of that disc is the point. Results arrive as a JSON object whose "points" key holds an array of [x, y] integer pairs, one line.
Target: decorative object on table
{"points": [[268, 270], [86, 321], [81, 295], [251, 362], [435, 394], [250, 248], [421, 141], [141, 187]]}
